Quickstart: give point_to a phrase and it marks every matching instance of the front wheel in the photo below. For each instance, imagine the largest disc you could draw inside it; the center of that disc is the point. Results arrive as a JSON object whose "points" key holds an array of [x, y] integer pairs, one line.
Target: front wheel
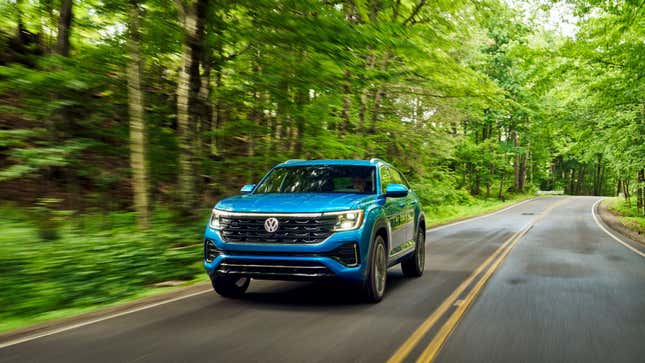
{"points": [[229, 286], [414, 265], [374, 286]]}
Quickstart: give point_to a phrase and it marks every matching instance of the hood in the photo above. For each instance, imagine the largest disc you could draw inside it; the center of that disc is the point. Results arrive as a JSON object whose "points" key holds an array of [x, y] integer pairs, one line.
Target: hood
{"points": [[292, 202]]}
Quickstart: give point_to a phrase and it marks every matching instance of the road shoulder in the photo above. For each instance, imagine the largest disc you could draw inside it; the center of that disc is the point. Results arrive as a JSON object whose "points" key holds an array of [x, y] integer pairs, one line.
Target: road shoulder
{"points": [[35, 331], [610, 220]]}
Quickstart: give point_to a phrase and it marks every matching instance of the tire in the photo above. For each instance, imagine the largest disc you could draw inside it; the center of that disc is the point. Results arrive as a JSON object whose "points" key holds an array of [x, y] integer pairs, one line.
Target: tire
{"points": [[228, 286], [374, 285], [414, 265]]}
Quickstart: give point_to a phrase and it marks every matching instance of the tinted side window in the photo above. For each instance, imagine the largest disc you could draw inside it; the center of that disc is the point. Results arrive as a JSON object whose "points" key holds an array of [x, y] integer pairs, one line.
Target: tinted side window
{"points": [[386, 178], [399, 178]]}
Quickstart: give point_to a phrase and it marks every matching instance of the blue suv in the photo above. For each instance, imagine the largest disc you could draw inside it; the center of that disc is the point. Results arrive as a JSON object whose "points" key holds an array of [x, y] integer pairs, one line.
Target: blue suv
{"points": [[317, 219]]}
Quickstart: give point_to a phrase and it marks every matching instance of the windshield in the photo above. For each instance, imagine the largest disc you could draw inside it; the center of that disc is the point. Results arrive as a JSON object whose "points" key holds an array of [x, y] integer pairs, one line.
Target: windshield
{"points": [[319, 179]]}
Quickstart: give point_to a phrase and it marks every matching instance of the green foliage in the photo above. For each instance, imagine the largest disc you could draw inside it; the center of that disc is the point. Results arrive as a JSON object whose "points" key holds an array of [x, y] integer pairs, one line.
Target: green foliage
{"points": [[629, 214], [472, 101], [97, 259]]}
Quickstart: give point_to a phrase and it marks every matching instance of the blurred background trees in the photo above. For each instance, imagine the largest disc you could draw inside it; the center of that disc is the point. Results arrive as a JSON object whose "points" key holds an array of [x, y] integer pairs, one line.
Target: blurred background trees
{"points": [[136, 105], [122, 122]]}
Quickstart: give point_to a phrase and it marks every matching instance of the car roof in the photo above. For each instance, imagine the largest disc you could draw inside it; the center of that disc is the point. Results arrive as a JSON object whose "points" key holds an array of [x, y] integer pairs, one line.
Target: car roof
{"points": [[371, 162]]}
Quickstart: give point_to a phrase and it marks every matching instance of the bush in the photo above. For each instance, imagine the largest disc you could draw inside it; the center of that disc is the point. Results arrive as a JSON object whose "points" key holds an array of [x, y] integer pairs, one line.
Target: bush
{"points": [[101, 260]]}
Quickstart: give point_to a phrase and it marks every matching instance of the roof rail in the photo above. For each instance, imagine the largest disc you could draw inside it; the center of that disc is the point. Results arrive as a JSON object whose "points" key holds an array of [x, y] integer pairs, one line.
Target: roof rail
{"points": [[293, 160]]}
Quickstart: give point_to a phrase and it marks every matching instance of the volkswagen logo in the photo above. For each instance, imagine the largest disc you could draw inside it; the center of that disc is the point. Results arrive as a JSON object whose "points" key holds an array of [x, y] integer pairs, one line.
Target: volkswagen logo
{"points": [[271, 225]]}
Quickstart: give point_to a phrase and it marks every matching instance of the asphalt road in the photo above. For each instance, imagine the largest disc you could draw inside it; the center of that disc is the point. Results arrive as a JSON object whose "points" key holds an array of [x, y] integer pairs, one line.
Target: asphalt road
{"points": [[556, 289]]}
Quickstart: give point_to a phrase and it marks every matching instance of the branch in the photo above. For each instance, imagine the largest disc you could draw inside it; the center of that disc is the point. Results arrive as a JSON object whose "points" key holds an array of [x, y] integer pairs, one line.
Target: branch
{"points": [[415, 11]]}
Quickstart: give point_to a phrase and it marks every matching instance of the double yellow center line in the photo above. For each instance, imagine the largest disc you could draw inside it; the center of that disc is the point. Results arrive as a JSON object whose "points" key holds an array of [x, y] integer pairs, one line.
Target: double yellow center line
{"points": [[433, 348]]}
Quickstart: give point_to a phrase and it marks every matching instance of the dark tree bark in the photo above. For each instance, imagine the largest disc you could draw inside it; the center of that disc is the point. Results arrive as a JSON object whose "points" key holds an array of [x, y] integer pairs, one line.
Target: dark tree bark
{"points": [[64, 25], [626, 193], [301, 100], [598, 176], [581, 178], [500, 194], [205, 108], [521, 177], [193, 19], [516, 163]]}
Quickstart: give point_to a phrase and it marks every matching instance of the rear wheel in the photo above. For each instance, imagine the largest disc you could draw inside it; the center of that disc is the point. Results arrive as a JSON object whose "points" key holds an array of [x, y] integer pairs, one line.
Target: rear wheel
{"points": [[414, 265], [229, 286], [374, 286]]}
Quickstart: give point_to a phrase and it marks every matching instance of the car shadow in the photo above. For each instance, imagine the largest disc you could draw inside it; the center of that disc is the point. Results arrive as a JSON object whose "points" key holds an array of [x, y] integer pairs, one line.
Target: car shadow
{"points": [[319, 293]]}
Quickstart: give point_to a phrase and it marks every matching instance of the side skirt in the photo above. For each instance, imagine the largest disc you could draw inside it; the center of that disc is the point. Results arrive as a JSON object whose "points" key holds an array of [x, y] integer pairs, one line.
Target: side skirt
{"points": [[400, 251]]}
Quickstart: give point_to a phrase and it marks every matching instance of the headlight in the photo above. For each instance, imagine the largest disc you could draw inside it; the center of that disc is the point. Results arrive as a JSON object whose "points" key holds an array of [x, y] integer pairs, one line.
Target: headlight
{"points": [[348, 220], [214, 222]]}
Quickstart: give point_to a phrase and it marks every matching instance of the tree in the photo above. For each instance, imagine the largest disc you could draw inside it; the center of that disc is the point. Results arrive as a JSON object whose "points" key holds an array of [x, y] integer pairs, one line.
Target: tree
{"points": [[193, 15], [64, 26], [138, 134]]}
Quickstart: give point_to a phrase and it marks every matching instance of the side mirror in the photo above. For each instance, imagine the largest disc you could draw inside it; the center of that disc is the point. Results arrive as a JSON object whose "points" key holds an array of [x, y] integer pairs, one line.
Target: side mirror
{"points": [[248, 188], [396, 191]]}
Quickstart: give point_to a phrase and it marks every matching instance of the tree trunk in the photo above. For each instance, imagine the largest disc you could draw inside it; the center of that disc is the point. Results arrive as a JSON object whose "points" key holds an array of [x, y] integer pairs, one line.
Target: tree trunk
{"points": [[500, 195], [516, 164], [64, 25], [188, 87], [598, 176], [21, 26], [521, 177], [626, 193], [581, 178], [205, 107], [476, 188], [301, 99], [491, 171], [138, 157]]}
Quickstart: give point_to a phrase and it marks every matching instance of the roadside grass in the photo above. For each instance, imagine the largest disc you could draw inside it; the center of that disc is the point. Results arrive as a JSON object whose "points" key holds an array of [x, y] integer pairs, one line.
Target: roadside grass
{"points": [[97, 260], [444, 214], [628, 216]]}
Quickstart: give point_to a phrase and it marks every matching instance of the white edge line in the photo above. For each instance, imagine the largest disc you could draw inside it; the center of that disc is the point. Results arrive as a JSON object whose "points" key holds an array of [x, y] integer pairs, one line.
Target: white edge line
{"points": [[93, 321], [595, 218], [480, 217]]}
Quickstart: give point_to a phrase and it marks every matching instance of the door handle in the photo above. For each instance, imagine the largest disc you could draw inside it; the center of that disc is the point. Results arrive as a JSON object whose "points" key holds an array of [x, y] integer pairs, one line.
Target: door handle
{"points": [[401, 204], [413, 202]]}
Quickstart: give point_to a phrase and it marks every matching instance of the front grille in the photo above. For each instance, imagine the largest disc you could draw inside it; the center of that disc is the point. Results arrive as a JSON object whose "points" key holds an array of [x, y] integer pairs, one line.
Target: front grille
{"points": [[274, 269], [291, 230]]}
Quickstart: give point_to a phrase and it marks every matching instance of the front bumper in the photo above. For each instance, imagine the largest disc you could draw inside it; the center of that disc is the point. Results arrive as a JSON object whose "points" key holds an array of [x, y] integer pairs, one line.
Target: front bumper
{"points": [[342, 255]]}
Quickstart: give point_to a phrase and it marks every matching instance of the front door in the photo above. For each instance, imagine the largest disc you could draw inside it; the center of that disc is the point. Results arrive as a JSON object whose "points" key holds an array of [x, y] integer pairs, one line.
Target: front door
{"points": [[397, 215], [408, 205]]}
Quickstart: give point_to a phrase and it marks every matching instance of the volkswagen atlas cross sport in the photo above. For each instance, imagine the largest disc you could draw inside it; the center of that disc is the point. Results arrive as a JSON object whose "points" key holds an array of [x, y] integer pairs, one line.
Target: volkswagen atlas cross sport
{"points": [[317, 219]]}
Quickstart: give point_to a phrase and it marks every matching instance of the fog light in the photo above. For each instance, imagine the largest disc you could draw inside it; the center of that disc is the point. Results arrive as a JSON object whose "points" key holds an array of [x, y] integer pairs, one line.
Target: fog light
{"points": [[210, 251]]}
